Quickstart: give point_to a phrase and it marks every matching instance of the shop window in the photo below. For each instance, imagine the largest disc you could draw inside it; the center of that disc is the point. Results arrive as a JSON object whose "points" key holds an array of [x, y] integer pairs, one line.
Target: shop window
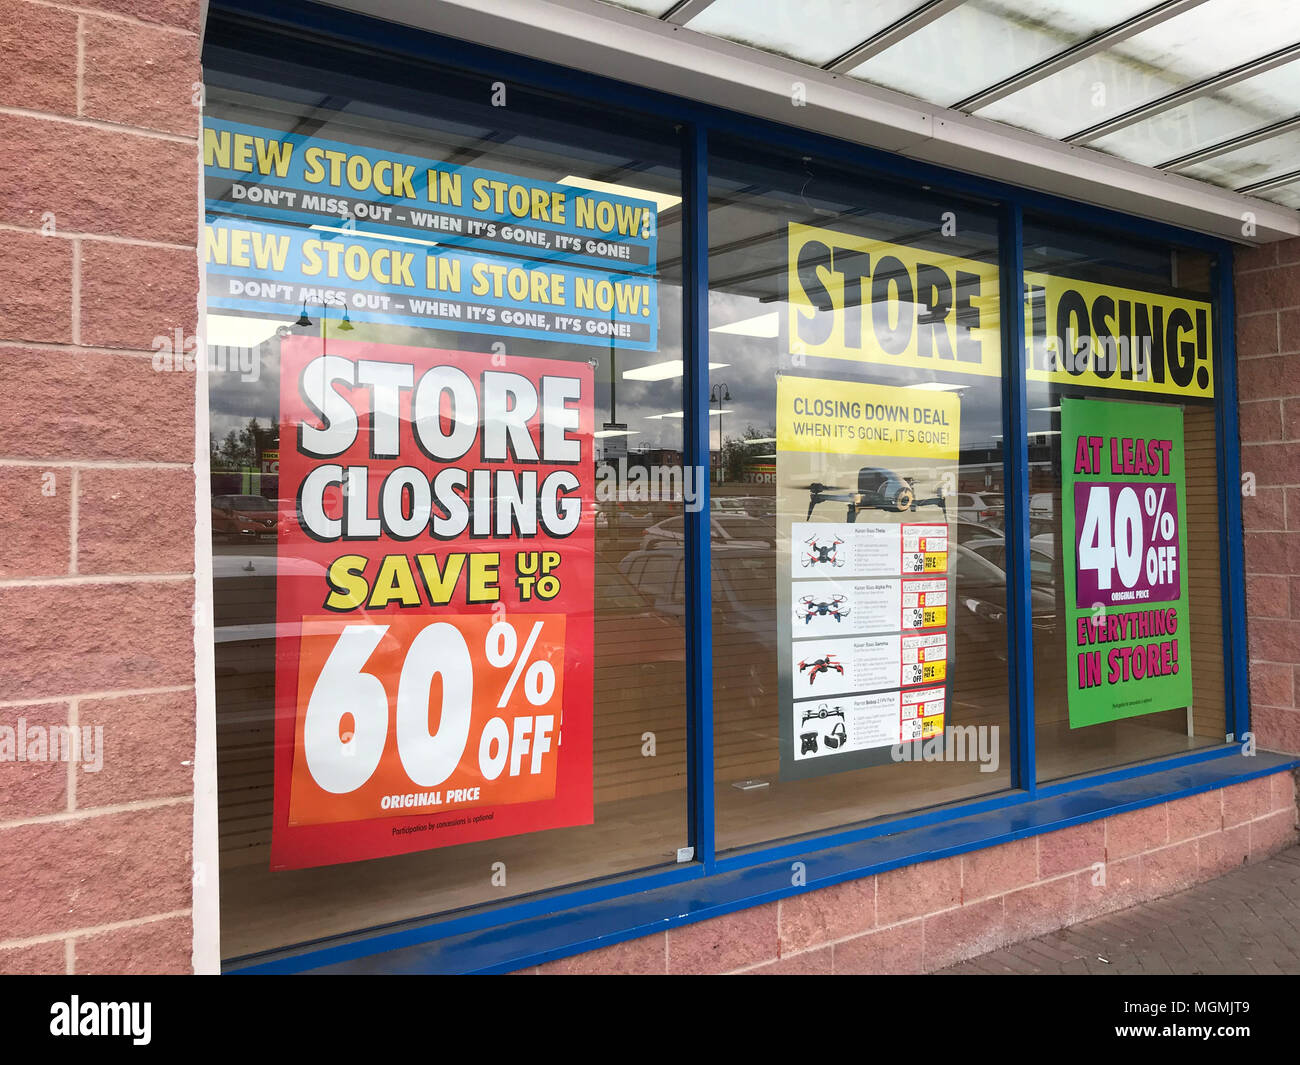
{"points": [[859, 607], [1124, 500], [450, 496], [518, 256]]}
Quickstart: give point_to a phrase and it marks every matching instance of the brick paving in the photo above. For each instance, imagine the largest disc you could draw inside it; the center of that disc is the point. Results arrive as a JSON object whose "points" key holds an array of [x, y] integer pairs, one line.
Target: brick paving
{"points": [[1247, 921]]}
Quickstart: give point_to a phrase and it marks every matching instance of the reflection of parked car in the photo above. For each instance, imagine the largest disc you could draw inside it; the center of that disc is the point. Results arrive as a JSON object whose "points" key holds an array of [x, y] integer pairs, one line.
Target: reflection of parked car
{"points": [[742, 591], [632, 629], [623, 517], [1042, 566], [982, 599], [244, 517], [752, 506], [968, 530], [983, 508], [1041, 506], [736, 530]]}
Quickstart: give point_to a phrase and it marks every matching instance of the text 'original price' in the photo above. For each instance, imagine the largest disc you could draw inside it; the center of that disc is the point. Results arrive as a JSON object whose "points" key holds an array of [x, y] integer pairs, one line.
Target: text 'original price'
{"points": [[402, 715]]}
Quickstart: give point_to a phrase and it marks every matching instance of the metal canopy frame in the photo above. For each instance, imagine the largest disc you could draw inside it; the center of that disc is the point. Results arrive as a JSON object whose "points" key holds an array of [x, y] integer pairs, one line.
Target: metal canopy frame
{"points": [[929, 11], [1077, 52], [713, 883]]}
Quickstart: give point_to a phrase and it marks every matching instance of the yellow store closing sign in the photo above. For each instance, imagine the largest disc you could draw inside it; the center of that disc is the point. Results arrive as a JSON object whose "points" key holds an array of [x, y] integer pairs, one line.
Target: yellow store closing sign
{"points": [[1104, 336], [871, 301]]}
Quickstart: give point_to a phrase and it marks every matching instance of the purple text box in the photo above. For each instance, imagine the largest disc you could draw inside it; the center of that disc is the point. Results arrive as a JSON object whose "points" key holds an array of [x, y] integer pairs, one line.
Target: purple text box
{"points": [[1159, 575]]}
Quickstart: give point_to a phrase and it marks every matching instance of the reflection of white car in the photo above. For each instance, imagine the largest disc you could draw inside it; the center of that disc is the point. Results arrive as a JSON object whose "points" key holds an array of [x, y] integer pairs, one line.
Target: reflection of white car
{"points": [[743, 594], [1045, 543], [752, 506], [986, 508], [1042, 562], [728, 504], [231, 568], [622, 516], [1041, 506], [262, 566], [733, 530]]}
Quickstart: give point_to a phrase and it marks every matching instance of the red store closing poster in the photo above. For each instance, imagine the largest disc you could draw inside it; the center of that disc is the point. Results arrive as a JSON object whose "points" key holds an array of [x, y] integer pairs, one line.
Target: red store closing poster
{"points": [[435, 591]]}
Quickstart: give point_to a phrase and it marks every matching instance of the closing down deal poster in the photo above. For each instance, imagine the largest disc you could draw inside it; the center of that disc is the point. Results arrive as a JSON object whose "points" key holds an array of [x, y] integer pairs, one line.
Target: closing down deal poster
{"points": [[1124, 502], [864, 580], [434, 596]]}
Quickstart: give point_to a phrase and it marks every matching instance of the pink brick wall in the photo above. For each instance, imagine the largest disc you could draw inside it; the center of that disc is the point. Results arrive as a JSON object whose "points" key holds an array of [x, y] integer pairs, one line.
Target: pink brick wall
{"points": [[1268, 375], [923, 917], [98, 207]]}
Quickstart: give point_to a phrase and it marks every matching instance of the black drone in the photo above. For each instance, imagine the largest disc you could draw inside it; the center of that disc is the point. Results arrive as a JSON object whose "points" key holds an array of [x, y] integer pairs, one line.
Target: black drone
{"points": [[814, 608], [822, 554], [878, 489]]}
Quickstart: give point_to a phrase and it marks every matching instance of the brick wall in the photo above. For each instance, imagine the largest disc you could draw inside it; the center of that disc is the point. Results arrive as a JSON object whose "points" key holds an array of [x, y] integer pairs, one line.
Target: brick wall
{"points": [[923, 917], [1268, 375], [98, 218]]}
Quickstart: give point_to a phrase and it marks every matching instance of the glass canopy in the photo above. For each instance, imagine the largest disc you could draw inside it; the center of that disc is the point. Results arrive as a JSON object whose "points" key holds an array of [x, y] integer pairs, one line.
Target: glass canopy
{"points": [[1205, 88]]}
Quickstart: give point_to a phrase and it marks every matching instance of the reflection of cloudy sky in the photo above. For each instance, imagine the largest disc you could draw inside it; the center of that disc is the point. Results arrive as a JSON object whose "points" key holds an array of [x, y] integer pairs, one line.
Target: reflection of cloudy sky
{"points": [[750, 371], [233, 401], [635, 402], [752, 364]]}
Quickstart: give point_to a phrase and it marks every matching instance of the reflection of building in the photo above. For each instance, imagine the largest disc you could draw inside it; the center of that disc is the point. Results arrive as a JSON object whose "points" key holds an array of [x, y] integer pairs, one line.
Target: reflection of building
{"points": [[980, 469]]}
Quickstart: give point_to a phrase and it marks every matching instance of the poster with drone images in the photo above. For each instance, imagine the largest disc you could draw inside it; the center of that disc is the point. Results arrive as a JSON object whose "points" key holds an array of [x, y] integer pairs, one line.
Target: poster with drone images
{"points": [[865, 579]]}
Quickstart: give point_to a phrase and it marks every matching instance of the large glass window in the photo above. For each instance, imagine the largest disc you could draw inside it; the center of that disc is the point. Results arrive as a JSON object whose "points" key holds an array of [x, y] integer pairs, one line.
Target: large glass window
{"points": [[451, 493], [385, 255], [1123, 504], [859, 595]]}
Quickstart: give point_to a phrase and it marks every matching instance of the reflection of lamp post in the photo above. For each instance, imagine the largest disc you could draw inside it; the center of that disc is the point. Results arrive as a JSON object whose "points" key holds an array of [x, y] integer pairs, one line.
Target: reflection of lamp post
{"points": [[719, 394], [345, 326]]}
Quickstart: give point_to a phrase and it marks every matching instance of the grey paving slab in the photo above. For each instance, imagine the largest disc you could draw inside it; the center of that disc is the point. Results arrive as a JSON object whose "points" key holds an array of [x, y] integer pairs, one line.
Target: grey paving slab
{"points": [[1246, 921]]}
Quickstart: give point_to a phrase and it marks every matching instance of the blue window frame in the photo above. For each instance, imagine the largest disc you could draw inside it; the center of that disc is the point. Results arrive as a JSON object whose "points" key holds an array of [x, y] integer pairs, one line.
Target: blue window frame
{"points": [[572, 919]]}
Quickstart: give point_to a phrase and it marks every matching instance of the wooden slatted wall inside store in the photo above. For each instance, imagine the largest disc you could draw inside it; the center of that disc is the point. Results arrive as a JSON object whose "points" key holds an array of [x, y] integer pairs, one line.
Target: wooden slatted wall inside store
{"points": [[639, 690], [1201, 572]]}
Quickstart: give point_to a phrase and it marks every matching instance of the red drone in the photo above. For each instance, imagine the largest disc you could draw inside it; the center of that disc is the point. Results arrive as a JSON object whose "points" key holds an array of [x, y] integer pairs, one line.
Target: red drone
{"points": [[820, 665]]}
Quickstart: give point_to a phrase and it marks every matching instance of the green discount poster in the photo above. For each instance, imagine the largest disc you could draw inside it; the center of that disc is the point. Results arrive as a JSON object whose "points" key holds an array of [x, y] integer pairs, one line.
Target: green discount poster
{"points": [[1124, 533]]}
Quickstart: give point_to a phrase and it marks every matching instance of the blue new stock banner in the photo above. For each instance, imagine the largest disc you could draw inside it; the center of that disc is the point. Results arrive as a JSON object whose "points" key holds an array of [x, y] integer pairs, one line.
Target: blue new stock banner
{"points": [[291, 177], [265, 269]]}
